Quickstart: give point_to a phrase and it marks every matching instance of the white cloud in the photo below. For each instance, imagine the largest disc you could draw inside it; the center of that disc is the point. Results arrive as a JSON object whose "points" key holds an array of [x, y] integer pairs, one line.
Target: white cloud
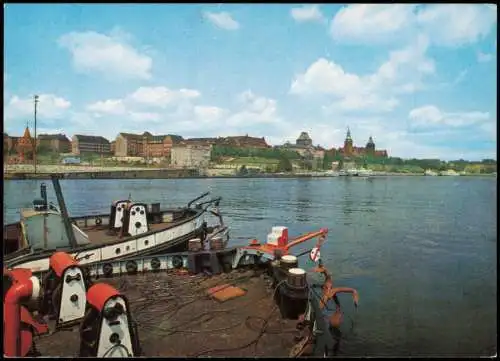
{"points": [[402, 73], [145, 116], [209, 113], [446, 24], [307, 13], [429, 116], [108, 55], [328, 77], [490, 128], [49, 107], [484, 58], [370, 102], [257, 104], [254, 110], [456, 24], [110, 106], [163, 110], [371, 22], [149, 106], [222, 20], [161, 96]]}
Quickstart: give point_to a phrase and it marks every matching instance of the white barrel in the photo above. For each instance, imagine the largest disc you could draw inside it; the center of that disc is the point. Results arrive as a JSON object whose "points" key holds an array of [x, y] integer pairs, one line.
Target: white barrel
{"points": [[289, 258], [288, 261], [296, 278], [297, 271]]}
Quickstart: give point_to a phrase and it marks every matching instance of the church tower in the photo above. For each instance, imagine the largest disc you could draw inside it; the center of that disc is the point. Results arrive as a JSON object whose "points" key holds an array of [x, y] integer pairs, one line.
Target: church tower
{"points": [[25, 146], [370, 146], [348, 143]]}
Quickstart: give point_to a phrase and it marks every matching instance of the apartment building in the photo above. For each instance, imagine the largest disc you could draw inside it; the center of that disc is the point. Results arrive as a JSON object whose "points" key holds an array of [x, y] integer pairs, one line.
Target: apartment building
{"points": [[90, 144]]}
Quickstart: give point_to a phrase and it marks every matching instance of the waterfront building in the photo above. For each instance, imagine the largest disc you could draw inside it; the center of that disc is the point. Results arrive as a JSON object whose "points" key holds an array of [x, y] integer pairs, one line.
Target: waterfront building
{"points": [[90, 144], [55, 142], [145, 145], [304, 146], [238, 141], [350, 150], [187, 155]]}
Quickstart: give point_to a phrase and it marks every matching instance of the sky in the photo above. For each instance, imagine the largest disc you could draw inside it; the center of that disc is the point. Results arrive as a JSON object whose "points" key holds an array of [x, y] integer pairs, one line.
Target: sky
{"points": [[420, 79]]}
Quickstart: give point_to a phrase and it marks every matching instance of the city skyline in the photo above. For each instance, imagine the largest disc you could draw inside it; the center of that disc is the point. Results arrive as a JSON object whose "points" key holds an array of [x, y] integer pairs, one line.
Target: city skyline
{"points": [[422, 84]]}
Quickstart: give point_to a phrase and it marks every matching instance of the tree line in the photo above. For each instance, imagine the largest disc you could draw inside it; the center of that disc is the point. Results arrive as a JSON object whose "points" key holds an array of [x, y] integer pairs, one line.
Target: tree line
{"points": [[287, 156]]}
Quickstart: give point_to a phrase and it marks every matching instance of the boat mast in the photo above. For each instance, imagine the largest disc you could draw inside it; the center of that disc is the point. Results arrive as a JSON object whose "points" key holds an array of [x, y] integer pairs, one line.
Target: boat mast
{"points": [[64, 211]]}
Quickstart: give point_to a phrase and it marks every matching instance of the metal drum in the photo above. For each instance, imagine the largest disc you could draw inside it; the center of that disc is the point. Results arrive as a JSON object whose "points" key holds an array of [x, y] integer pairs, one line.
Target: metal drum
{"points": [[296, 278], [216, 244], [194, 245], [288, 262]]}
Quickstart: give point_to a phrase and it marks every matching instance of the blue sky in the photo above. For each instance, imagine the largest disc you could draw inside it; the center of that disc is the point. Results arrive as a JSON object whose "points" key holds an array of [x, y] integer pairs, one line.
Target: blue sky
{"points": [[420, 79]]}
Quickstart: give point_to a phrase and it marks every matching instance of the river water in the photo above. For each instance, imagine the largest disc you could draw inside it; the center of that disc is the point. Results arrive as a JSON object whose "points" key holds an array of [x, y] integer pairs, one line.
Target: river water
{"points": [[421, 251]]}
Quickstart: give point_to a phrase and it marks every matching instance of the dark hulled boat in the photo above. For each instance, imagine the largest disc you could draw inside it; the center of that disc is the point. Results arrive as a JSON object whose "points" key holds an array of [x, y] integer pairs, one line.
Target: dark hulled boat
{"points": [[130, 229]]}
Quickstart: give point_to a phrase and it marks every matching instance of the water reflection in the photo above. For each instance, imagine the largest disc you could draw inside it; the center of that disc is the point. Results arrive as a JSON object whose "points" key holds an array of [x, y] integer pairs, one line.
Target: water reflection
{"points": [[303, 202]]}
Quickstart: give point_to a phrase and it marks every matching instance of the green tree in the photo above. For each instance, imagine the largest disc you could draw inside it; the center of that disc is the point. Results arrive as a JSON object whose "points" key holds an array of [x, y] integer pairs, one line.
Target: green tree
{"points": [[243, 170], [326, 164], [489, 161], [269, 169], [284, 165]]}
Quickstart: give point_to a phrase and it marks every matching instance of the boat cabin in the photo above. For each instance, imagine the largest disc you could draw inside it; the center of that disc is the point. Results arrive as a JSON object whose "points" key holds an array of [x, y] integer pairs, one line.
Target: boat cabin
{"points": [[42, 227], [39, 230]]}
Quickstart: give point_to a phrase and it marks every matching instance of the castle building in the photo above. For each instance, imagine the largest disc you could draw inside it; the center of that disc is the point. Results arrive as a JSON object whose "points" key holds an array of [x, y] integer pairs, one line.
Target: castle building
{"points": [[305, 148], [350, 150]]}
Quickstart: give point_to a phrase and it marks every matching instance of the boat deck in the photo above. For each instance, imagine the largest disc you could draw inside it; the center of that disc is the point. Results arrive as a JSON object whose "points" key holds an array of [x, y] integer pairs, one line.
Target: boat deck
{"points": [[102, 235], [175, 317]]}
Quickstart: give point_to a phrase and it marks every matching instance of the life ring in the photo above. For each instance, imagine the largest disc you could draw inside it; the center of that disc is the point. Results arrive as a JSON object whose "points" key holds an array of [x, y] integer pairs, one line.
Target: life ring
{"points": [[155, 264], [98, 221], [131, 267], [107, 269], [177, 261]]}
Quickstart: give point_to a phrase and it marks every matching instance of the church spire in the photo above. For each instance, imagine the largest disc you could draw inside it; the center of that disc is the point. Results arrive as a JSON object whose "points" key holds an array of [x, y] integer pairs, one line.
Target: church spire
{"points": [[27, 134], [348, 136]]}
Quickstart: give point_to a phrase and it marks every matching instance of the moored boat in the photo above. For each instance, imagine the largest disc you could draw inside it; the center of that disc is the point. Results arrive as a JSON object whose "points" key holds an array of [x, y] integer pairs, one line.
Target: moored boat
{"points": [[130, 229], [449, 172], [363, 172]]}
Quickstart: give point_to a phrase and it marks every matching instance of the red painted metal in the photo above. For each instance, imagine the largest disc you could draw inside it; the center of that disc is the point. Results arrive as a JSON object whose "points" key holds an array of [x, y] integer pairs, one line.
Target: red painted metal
{"points": [[27, 332], [284, 244], [283, 240], [330, 292], [99, 294], [21, 288], [60, 261]]}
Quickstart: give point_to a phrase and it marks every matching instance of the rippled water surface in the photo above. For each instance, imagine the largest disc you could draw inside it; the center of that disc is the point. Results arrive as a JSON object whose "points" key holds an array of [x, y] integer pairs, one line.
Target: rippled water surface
{"points": [[420, 250]]}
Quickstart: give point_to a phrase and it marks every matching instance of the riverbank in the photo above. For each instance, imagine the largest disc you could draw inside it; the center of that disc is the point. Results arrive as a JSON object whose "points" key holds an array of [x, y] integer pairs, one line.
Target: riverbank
{"points": [[88, 172], [187, 174]]}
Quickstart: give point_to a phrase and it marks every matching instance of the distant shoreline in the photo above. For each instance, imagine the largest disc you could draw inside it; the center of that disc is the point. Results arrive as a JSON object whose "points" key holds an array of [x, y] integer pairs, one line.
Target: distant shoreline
{"points": [[186, 174]]}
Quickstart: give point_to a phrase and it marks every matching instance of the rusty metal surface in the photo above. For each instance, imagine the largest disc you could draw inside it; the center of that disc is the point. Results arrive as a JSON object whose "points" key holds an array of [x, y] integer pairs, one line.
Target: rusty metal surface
{"points": [[175, 317]]}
